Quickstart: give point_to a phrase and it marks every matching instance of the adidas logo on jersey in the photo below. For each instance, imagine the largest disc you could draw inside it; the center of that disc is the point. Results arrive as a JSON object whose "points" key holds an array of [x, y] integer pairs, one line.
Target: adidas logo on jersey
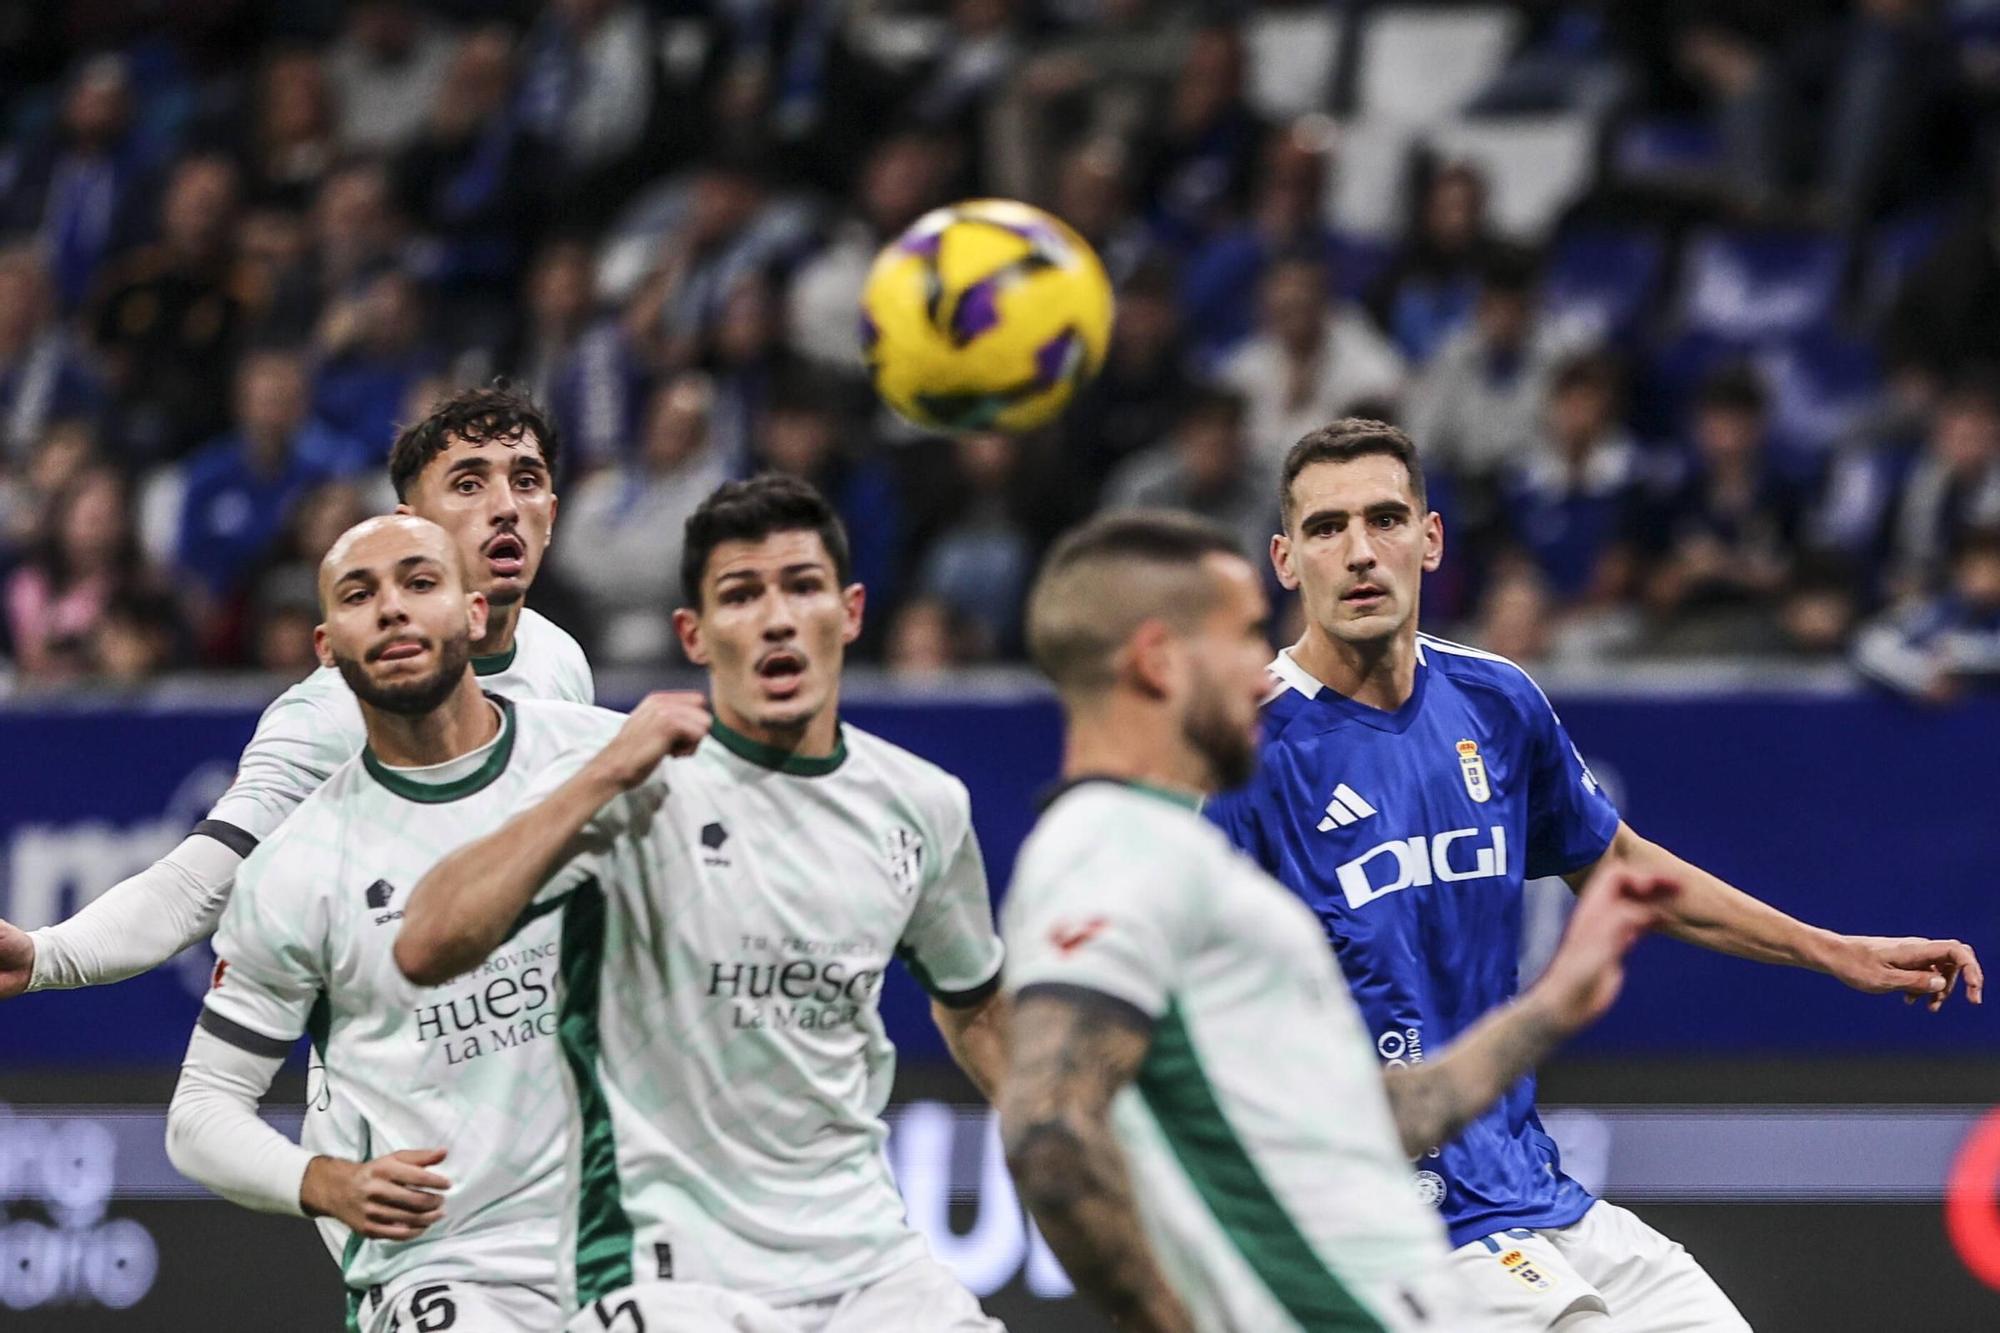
{"points": [[1345, 808]]}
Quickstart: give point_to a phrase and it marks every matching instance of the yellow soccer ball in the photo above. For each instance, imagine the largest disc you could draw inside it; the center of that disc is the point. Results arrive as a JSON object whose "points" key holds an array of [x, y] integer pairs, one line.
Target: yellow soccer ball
{"points": [[985, 315]]}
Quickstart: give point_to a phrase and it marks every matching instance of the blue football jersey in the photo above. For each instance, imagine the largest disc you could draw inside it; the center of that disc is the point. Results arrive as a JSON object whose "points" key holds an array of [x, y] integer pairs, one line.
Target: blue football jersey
{"points": [[1410, 834]]}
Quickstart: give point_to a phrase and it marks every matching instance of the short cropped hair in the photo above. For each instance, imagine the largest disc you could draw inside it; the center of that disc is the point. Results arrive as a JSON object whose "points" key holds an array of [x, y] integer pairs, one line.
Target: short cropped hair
{"points": [[1106, 578], [474, 416], [749, 511], [1734, 388], [1343, 442]]}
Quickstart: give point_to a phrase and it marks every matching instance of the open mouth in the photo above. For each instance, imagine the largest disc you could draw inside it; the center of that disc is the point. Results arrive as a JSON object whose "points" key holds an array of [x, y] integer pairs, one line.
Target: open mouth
{"points": [[507, 554], [1364, 594], [399, 650], [781, 671]]}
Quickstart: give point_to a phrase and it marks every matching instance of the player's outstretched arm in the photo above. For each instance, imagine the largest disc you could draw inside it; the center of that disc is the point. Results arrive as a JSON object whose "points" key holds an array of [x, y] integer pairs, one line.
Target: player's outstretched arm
{"points": [[1072, 1049], [977, 1038], [1716, 915], [1432, 1102], [461, 910], [132, 927]]}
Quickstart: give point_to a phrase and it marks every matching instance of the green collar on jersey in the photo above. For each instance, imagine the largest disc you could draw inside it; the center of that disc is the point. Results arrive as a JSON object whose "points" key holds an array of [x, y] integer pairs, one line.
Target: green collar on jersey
{"points": [[437, 793], [1186, 800], [494, 663], [778, 760]]}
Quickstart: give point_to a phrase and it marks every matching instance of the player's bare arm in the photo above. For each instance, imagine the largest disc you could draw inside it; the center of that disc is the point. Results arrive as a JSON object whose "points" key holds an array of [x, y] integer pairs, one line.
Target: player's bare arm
{"points": [[394, 1197], [1434, 1101], [1072, 1050], [17, 960], [1716, 915], [977, 1037], [463, 908]]}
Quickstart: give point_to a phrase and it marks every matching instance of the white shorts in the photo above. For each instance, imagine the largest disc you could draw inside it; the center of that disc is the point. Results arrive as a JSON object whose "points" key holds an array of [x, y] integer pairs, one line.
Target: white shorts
{"points": [[678, 1307], [458, 1306], [920, 1297], [1607, 1261]]}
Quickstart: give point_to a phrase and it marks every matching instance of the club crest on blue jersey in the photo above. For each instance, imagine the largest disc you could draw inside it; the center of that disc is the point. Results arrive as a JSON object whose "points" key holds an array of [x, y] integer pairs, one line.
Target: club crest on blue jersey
{"points": [[1474, 769]]}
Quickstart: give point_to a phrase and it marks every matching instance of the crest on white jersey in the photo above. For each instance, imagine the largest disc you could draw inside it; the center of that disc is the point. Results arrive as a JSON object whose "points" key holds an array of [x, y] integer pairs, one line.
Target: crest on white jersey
{"points": [[903, 850], [1474, 768]]}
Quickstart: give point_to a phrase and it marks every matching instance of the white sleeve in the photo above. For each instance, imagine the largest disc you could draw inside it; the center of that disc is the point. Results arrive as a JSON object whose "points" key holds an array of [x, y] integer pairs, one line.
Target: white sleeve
{"points": [[950, 945], [215, 1136], [141, 922], [300, 741]]}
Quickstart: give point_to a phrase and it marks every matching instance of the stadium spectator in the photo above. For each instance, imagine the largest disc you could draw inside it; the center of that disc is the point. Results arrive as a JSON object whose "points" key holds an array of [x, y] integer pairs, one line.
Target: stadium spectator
{"points": [[291, 143], [1571, 506], [43, 374], [586, 91], [285, 596], [1131, 405], [385, 68], [80, 191], [1940, 323], [979, 563], [1198, 153], [1731, 64], [170, 316], [1476, 407], [87, 557], [373, 350], [1205, 468], [236, 493], [1952, 486], [799, 433], [1310, 362], [1093, 189], [577, 359], [64, 450], [622, 526], [1938, 648], [926, 642], [1725, 534], [1429, 287]]}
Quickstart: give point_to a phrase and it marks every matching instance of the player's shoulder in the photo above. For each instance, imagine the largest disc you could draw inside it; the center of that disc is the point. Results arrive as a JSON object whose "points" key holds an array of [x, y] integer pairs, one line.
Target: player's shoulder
{"points": [[1150, 821], [1478, 669], [933, 789], [313, 826], [321, 695], [565, 715], [539, 634]]}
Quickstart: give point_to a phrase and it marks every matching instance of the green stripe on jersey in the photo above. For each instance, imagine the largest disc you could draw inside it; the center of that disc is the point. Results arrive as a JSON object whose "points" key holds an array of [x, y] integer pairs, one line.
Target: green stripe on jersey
{"points": [[354, 1295], [1177, 1091], [603, 1232], [439, 793]]}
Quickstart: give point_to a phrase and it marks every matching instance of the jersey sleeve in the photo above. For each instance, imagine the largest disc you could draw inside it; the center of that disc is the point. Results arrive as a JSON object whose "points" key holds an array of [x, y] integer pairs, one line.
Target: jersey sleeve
{"points": [[269, 958], [1570, 819], [298, 744], [578, 685], [950, 945], [1106, 914]]}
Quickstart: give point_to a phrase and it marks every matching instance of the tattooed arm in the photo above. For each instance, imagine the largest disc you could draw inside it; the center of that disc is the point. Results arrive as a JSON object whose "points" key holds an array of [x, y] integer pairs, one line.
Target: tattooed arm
{"points": [[1072, 1049], [1434, 1101]]}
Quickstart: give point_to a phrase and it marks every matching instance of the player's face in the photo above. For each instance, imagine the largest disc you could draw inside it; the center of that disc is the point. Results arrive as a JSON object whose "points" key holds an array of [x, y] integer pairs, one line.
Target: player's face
{"points": [[772, 629], [399, 621], [1357, 547], [495, 499], [1228, 678]]}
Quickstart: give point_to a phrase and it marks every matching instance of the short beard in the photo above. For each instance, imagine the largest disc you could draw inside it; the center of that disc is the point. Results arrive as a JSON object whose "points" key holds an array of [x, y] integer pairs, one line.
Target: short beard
{"points": [[413, 698], [1230, 755]]}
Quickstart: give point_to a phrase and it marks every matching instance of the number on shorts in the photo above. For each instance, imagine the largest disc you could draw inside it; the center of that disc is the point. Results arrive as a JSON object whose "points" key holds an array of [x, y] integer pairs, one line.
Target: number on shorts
{"points": [[609, 1317], [434, 1309]]}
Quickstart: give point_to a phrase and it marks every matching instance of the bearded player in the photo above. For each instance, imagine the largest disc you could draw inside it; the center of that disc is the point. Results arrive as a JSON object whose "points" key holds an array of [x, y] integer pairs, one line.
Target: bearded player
{"points": [[481, 466], [1409, 787]]}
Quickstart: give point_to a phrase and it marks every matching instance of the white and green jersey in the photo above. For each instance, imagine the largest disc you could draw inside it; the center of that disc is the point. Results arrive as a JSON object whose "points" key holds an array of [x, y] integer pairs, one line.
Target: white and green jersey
{"points": [[1266, 1163], [474, 1066], [314, 727], [740, 907]]}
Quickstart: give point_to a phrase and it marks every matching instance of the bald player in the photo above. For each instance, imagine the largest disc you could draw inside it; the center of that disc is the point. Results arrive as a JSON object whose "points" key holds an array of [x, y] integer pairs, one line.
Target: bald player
{"points": [[481, 465], [433, 1152]]}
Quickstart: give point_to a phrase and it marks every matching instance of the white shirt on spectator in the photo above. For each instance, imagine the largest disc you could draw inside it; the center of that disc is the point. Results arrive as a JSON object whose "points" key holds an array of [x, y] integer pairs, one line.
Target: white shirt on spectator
{"points": [[1355, 363]]}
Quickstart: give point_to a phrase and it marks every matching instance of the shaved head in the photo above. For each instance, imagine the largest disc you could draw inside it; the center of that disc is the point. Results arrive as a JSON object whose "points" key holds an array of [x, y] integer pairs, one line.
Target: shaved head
{"points": [[364, 545], [1109, 577]]}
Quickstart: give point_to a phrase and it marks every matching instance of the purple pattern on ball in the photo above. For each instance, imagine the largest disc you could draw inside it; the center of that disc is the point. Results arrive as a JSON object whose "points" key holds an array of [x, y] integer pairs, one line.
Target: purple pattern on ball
{"points": [[1055, 358], [926, 244], [870, 335], [978, 310]]}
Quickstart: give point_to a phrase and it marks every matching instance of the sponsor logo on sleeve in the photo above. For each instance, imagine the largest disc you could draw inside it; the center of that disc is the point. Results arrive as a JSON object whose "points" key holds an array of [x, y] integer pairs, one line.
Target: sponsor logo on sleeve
{"points": [[1068, 938]]}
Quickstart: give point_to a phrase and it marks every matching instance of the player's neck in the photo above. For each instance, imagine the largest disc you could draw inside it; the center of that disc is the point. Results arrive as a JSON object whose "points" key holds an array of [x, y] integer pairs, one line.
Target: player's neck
{"points": [[499, 636], [1132, 742], [817, 738], [1381, 674], [458, 726]]}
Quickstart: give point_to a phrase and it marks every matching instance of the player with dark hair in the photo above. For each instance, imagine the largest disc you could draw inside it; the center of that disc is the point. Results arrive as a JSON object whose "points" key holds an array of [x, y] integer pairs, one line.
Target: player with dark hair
{"points": [[481, 466], [1410, 786], [735, 907]]}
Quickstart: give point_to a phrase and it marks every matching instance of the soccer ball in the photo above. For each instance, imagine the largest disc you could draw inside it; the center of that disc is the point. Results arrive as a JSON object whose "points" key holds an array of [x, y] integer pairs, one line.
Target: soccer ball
{"points": [[986, 315]]}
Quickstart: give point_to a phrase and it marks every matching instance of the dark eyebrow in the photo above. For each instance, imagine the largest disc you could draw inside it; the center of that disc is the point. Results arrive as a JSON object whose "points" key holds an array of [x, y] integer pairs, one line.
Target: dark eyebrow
{"points": [[410, 562], [470, 463], [1387, 507]]}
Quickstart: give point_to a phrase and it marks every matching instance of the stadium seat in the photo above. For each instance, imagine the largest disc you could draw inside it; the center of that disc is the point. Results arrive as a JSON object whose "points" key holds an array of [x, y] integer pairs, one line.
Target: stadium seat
{"points": [[1752, 286], [1369, 194], [1897, 247], [1603, 281], [1819, 382], [1294, 54], [1422, 65], [1535, 166], [1665, 147]]}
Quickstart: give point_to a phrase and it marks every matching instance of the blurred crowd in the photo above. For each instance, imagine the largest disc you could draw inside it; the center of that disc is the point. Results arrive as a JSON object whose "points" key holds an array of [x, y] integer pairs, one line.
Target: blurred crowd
{"points": [[1688, 306]]}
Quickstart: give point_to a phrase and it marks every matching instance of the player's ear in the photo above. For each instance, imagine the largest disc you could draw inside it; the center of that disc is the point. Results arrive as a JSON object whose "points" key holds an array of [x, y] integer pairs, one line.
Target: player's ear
{"points": [[853, 602], [321, 648], [1433, 541], [687, 627], [402, 507], [476, 615], [1152, 658], [1281, 562]]}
